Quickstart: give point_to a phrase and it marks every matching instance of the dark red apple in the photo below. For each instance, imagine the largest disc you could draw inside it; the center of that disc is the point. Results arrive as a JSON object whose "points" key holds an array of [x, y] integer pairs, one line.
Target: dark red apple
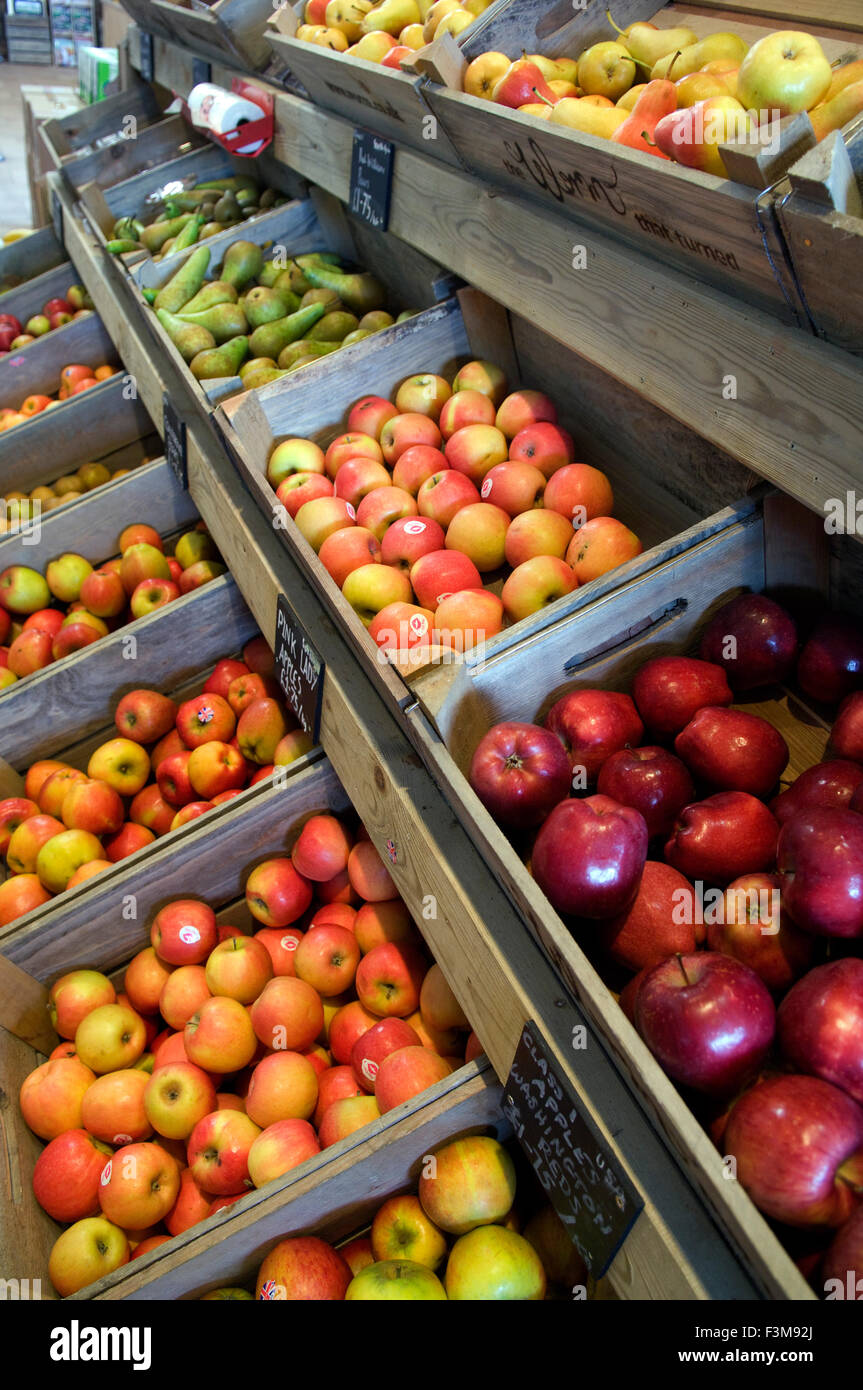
{"points": [[662, 920], [593, 724], [754, 639], [798, 1147], [629, 994], [846, 736], [732, 750], [722, 837], [708, 1020], [844, 1258], [748, 925], [57, 306], [820, 1024], [830, 784], [652, 781], [669, 689], [831, 662], [519, 772], [588, 856], [10, 321], [7, 338], [820, 860]]}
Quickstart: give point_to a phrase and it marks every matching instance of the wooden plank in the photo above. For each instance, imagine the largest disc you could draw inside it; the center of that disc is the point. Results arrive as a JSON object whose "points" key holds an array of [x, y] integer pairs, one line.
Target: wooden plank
{"points": [[28, 1233], [125, 158], [105, 117], [27, 299], [230, 30], [37, 367], [843, 14], [825, 176], [28, 258], [24, 1007]]}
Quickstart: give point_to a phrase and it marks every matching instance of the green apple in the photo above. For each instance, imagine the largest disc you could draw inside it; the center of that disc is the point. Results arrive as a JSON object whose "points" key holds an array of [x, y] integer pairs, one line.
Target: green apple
{"points": [[395, 1281], [194, 546], [492, 1263], [66, 575], [23, 590], [786, 72]]}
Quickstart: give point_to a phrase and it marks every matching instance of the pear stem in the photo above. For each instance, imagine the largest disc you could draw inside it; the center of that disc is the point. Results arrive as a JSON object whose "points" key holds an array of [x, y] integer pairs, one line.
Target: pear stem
{"points": [[671, 64]]}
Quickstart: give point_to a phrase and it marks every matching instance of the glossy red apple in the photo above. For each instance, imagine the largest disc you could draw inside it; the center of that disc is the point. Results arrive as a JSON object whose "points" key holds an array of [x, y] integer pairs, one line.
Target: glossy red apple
{"points": [[708, 1020], [749, 925], [831, 662], [520, 772], [820, 1024], [589, 856], [846, 736], [830, 785], [733, 750], [652, 781], [669, 690], [754, 639], [593, 724], [722, 837], [820, 860], [662, 920]]}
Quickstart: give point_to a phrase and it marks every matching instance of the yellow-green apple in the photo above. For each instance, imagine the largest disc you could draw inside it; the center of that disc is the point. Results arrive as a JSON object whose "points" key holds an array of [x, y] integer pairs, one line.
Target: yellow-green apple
{"points": [[484, 72], [354, 444], [23, 590], [194, 546], [184, 932], [142, 561], [401, 1230], [336, 1083], [294, 456], [151, 594], [372, 1047], [282, 1145], [215, 767], [514, 487], [438, 1005], [463, 409], [176, 1097], [321, 517], [245, 689], [26, 842], [113, 1107], [606, 69], [238, 968], [536, 583], [205, 718], [20, 894], [218, 1151], [389, 978], [492, 1263], [786, 71], [30, 651], [13, 811], [123, 764], [85, 1252], [300, 488], [66, 1176], [403, 432], [472, 1183], [192, 1205], [93, 806], [139, 1185], [260, 728], [348, 1024], [62, 855], [111, 1037], [379, 922], [415, 465], [373, 587], [485, 377], [345, 551], [276, 893], [346, 1116], [51, 1096], [479, 531], [384, 506], [145, 978], [474, 449], [327, 959], [579, 492], [540, 532], [283, 1086], [303, 1268], [359, 476], [65, 575], [322, 848], [145, 716], [225, 671], [172, 780], [601, 545], [424, 394], [522, 409], [440, 573], [74, 996], [406, 1073], [182, 994], [287, 1015], [220, 1036], [388, 1281], [444, 494]]}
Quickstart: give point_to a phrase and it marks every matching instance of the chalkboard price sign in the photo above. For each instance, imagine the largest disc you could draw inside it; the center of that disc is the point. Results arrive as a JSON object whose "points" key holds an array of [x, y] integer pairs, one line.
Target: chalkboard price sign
{"points": [[592, 1196], [299, 669], [174, 430], [146, 50], [371, 178]]}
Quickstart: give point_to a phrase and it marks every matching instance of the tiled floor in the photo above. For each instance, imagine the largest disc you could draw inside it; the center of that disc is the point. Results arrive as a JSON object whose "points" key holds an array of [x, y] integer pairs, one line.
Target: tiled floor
{"points": [[14, 187]]}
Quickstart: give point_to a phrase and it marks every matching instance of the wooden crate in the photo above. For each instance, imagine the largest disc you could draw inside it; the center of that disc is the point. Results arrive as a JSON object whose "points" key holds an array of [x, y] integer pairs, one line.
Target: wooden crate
{"points": [[148, 17], [153, 146], [37, 367], [80, 136], [822, 220], [716, 229], [780, 546], [28, 258], [48, 283], [225, 31], [670, 487]]}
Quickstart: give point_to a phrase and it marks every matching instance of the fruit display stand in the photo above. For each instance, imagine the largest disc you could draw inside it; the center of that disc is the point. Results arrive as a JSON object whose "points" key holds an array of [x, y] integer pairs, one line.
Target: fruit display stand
{"points": [[668, 502], [111, 124], [29, 257], [715, 228], [36, 367], [109, 164], [225, 31]]}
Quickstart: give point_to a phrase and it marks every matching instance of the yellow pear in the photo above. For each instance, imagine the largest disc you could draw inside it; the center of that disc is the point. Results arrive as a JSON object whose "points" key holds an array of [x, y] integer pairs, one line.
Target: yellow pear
{"points": [[584, 116], [567, 70], [391, 17], [453, 23], [547, 66], [323, 36], [692, 59], [425, 6], [628, 100], [374, 46], [475, 7], [436, 13], [647, 44], [536, 108], [562, 88], [412, 36], [348, 16]]}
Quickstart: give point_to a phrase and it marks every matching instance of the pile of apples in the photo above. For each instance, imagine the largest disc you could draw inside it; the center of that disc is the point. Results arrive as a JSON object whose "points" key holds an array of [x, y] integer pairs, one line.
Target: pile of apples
{"points": [[168, 765], [228, 1059], [459, 1238], [93, 602], [74, 378], [668, 93], [425, 499], [387, 32], [67, 487], [763, 1029], [76, 304]]}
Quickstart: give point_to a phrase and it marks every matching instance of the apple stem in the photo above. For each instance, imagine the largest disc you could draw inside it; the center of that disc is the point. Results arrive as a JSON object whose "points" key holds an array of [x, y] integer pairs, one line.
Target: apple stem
{"points": [[683, 968]]}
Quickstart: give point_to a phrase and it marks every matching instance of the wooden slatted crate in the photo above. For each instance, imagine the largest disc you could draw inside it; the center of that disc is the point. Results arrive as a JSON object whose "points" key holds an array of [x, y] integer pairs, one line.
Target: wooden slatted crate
{"points": [[714, 228], [225, 31], [28, 258], [37, 366], [78, 137], [149, 147]]}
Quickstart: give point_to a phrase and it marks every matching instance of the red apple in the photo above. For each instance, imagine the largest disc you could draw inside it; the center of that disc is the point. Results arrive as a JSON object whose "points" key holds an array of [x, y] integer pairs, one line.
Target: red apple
{"points": [[139, 1186], [843, 1263], [828, 785], [846, 736], [406, 1073], [327, 959], [732, 750], [184, 932], [276, 893], [652, 781], [303, 1268], [831, 662], [669, 690], [754, 639], [439, 573], [370, 1050], [145, 716], [66, 1176], [283, 1145], [388, 980], [218, 1152], [749, 925], [819, 858], [288, 1014], [283, 1086], [722, 837], [520, 772], [661, 921], [445, 493], [820, 1025], [593, 724], [589, 855]]}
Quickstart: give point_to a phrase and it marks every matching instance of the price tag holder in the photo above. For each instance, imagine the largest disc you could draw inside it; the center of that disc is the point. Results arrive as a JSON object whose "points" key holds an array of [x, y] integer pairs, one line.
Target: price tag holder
{"points": [[592, 1196], [146, 50], [299, 670], [174, 430], [57, 215], [371, 178], [201, 70]]}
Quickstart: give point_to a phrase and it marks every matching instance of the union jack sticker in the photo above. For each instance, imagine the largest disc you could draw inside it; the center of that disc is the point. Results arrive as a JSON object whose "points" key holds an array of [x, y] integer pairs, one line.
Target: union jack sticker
{"points": [[271, 1290]]}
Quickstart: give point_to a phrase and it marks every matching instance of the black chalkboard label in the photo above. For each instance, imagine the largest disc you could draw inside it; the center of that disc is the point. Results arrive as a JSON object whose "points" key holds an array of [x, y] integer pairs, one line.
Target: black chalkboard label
{"points": [[299, 669], [371, 178], [200, 71], [592, 1196], [174, 433], [57, 215], [146, 49]]}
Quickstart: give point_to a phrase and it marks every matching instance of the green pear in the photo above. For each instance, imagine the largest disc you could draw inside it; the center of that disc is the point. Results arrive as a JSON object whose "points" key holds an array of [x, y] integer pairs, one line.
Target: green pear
{"points": [[220, 361], [214, 292], [327, 297], [357, 336], [407, 314], [332, 328], [360, 291], [376, 320], [253, 364], [155, 236], [244, 261], [305, 349], [188, 338], [262, 305], [181, 287], [227, 209], [224, 321], [271, 338], [262, 376]]}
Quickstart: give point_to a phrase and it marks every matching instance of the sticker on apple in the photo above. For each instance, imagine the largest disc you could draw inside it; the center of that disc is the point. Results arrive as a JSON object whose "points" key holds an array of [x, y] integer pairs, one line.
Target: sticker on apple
{"points": [[189, 935], [418, 624], [486, 488], [289, 943], [120, 1139], [106, 1173], [369, 1069], [414, 528], [351, 511]]}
